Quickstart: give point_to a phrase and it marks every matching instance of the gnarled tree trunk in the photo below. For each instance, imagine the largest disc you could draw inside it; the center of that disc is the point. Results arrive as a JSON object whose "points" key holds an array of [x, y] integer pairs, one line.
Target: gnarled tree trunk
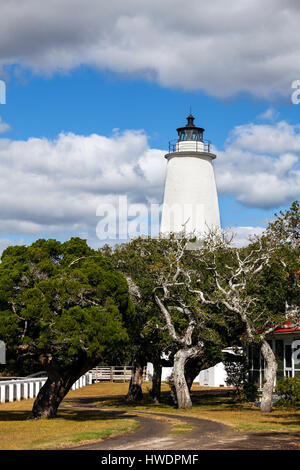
{"points": [[49, 397], [53, 392], [135, 392], [182, 390], [57, 386], [270, 376]]}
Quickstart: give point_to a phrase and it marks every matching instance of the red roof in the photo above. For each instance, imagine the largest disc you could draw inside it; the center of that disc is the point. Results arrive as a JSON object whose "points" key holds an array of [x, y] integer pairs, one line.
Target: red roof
{"points": [[286, 330]]}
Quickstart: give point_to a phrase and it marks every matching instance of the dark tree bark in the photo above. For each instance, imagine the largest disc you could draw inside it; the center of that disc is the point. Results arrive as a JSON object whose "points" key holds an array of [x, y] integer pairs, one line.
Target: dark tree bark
{"points": [[135, 392], [192, 368], [270, 375], [56, 388], [156, 380], [50, 396]]}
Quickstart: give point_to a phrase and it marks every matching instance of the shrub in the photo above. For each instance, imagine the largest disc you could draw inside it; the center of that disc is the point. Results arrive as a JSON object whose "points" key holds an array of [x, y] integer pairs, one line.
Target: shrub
{"points": [[249, 391], [288, 390], [237, 377]]}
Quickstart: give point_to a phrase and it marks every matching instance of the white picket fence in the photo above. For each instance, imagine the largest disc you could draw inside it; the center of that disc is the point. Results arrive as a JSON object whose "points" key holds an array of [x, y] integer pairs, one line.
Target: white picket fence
{"points": [[22, 389], [114, 373], [111, 373]]}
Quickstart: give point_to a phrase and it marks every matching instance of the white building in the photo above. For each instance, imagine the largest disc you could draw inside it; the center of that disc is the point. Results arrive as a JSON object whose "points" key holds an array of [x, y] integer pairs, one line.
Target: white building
{"points": [[285, 343], [213, 377], [190, 197]]}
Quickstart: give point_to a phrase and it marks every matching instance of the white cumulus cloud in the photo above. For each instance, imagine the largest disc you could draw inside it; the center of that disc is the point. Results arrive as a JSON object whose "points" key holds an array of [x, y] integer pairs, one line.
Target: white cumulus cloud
{"points": [[242, 235], [5, 242], [219, 47], [260, 164], [54, 187]]}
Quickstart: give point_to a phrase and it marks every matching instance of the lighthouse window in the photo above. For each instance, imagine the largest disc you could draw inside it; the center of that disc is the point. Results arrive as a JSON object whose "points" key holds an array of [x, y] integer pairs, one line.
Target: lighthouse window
{"points": [[197, 136]]}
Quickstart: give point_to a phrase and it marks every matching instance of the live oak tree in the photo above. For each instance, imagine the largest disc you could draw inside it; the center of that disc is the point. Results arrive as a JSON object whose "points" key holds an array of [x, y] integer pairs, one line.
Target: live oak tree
{"points": [[172, 318], [279, 283], [253, 284], [159, 271], [149, 340], [64, 305], [207, 329]]}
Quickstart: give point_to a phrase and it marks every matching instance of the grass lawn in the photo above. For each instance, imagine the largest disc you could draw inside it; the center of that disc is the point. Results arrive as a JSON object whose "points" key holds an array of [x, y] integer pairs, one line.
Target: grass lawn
{"points": [[214, 404], [80, 426], [69, 428]]}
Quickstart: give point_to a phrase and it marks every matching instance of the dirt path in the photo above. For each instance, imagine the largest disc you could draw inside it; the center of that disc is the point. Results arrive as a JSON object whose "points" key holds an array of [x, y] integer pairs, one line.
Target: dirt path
{"points": [[155, 433]]}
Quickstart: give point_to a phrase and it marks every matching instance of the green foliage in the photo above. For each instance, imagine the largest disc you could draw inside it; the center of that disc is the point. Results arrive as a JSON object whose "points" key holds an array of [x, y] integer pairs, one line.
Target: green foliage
{"points": [[286, 227], [288, 390], [142, 260], [284, 232], [249, 392], [237, 377], [237, 372], [61, 302]]}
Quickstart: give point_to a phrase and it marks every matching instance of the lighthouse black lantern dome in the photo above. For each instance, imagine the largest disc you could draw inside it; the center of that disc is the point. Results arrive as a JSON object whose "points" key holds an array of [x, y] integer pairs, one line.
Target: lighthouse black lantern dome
{"points": [[190, 197], [190, 131], [190, 137]]}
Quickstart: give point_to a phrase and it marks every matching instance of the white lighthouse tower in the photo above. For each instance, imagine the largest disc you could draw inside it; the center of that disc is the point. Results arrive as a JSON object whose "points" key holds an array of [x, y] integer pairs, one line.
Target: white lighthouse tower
{"points": [[190, 198]]}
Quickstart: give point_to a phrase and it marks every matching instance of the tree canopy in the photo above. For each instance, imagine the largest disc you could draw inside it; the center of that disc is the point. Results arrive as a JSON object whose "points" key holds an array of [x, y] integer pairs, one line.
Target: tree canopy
{"points": [[64, 305]]}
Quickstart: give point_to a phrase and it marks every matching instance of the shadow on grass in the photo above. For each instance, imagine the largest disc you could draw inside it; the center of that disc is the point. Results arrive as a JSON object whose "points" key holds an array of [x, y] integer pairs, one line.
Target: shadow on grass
{"points": [[118, 401], [290, 419], [73, 415], [92, 415], [91, 408], [200, 399], [14, 415]]}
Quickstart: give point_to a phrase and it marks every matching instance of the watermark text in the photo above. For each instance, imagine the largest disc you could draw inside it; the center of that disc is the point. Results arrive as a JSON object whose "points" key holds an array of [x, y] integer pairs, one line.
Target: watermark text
{"points": [[2, 92], [295, 97]]}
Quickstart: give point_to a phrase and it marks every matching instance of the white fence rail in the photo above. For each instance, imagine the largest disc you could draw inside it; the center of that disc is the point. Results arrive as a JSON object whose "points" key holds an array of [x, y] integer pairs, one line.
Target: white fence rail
{"points": [[113, 373], [22, 389]]}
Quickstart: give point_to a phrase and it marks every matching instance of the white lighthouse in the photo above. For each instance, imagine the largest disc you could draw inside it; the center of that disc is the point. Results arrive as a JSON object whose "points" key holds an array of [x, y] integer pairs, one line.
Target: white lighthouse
{"points": [[190, 197]]}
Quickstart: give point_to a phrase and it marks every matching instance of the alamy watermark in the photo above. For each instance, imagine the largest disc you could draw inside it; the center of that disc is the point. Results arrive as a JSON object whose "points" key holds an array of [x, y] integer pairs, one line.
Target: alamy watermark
{"points": [[296, 351], [123, 220], [2, 92], [295, 97]]}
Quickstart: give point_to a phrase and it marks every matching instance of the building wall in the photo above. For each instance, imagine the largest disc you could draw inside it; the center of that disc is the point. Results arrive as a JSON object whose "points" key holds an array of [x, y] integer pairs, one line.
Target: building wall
{"points": [[190, 194], [214, 376], [286, 347]]}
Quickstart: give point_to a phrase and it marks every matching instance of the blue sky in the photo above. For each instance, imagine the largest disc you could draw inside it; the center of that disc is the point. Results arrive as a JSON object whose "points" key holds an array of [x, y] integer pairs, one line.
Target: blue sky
{"points": [[87, 100], [63, 81]]}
